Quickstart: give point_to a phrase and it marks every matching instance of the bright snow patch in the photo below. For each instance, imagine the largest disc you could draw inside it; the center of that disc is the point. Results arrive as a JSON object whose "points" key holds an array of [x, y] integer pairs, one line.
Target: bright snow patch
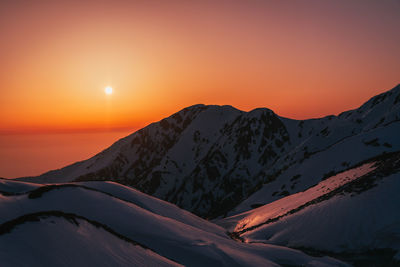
{"points": [[284, 205]]}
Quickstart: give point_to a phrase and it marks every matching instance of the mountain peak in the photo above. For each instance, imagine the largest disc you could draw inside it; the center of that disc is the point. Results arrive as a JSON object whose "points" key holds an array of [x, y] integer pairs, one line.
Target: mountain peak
{"points": [[209, 158], [218, 161]]}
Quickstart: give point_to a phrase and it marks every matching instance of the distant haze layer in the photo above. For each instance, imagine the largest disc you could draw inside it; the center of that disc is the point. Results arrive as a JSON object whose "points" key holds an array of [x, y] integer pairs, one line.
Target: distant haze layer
{"points": [[302, 59], [33, 154]]}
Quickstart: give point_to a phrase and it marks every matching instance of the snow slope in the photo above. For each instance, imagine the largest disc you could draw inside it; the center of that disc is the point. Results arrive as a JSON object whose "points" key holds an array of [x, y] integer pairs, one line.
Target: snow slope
{"points": [[356, 211], [154, 205], [55, 241], [217, 160], [324, 186], [299, 175], [85, 223], [281, 207], [13, 187]]}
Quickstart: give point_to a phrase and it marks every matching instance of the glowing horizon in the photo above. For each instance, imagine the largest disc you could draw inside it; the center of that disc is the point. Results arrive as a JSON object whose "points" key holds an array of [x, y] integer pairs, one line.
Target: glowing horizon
{"points": [[300, 60]]}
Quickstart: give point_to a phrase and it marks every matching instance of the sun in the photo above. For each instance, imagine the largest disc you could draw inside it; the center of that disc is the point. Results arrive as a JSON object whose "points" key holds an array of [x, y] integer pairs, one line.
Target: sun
{"points": [[108, 90]]}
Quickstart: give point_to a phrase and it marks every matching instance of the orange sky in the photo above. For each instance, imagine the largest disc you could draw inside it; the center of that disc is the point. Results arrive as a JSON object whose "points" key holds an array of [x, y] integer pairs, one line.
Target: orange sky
{"points": [[302, 59]]}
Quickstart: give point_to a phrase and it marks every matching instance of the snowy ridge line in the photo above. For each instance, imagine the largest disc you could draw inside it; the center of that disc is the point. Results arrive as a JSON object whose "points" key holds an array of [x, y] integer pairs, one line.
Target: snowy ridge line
{"points": [[176, 216], [361, 184], [10, 187], [7, 227], [183, 243], [212, 160], [38, 192]]}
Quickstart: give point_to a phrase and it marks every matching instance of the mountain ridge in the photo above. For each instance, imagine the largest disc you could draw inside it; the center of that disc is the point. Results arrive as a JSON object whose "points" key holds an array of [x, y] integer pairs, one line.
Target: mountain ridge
{"points": [[209, 159]]}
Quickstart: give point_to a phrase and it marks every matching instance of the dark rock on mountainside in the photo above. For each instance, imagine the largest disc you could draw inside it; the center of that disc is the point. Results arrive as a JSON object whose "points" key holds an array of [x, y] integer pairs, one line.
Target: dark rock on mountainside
{"points": [[209, 159]]}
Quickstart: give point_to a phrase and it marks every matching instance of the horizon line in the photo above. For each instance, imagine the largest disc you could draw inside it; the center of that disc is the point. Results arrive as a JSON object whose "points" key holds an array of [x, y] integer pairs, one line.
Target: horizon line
{"points": [[49, 130]]}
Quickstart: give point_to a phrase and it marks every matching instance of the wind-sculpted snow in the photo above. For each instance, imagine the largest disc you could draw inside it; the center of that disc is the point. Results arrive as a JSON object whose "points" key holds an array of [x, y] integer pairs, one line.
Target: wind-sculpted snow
{"points": [[81, 216], [217, 160]]}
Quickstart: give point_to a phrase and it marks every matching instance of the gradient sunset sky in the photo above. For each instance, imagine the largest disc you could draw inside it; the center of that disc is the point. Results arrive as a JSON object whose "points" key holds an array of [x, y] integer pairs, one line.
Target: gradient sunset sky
{"points": [[302, 59]]}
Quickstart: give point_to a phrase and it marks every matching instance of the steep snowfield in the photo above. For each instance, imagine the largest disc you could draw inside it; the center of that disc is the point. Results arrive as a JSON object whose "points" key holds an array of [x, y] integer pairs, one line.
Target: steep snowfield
{"points": [[282, 206], [217, 160], [303, 174], [330, 145], [343, 223], [81, 220], [356, 211], [325, 186]]}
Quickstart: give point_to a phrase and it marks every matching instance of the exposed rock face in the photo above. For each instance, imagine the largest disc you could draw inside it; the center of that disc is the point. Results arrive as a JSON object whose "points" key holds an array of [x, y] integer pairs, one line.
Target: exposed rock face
{"points": [[210, 159]]}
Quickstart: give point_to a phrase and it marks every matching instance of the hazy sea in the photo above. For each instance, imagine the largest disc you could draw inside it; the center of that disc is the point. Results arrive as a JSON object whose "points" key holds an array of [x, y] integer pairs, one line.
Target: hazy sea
{"points": [[33, 154]]}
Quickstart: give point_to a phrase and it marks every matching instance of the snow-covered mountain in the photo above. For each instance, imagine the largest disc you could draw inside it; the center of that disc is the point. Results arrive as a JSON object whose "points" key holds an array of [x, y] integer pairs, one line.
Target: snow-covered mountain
{"points": [[107, 224], [274, 186], [217, 160], [353, 215]]}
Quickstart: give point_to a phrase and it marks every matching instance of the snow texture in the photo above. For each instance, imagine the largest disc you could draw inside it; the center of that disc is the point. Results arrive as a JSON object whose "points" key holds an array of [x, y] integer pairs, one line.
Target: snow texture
{"points": [[100, 224], [216, 160]]}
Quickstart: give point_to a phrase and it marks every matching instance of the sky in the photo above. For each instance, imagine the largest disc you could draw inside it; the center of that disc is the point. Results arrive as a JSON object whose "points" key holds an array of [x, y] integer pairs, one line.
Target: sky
{"points": [[302, 59]]}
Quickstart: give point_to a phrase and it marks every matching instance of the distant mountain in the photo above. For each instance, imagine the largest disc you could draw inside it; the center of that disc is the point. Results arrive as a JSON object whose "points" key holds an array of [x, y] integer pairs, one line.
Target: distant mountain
{"points": [[217, 160], [108, 224]]}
